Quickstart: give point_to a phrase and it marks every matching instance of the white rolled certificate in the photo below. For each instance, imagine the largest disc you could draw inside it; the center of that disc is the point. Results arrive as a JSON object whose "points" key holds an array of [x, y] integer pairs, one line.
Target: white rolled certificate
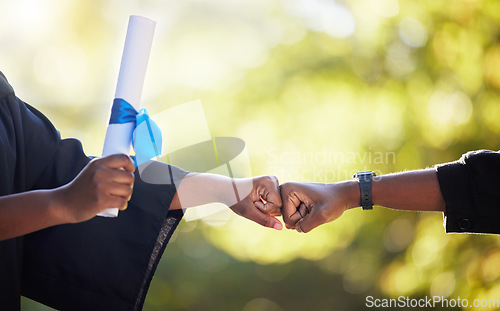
{"points": [[129, 87]]}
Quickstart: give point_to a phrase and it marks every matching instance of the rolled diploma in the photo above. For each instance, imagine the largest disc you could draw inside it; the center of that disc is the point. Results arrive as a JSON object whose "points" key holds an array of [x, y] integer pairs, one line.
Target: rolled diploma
{"points": [[129, 87]]}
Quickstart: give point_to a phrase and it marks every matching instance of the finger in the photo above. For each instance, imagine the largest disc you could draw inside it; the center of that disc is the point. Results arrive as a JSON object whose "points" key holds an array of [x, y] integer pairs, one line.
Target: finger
{"points": [[119, 161], [117, 202], [261, 205], [290, 204], [268, 207], [276, 213], [302, 209], [308, 223], [269, 195], [298, 227], [274, 195], [123, 205], [120, 190], [121, 177], [263, 219]]}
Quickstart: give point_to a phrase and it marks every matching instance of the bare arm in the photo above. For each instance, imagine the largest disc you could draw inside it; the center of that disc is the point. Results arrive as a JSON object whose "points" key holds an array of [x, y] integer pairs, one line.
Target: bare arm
{"points": [[412, 191], [308, 205], [27, 212], [103, 183], [257, 198]]}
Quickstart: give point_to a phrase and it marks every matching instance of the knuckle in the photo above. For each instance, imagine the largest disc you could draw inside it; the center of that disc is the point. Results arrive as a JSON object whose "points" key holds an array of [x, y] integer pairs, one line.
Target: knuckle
{"points": [[287, 187], [301, 226], [288, 221], [130, 178], [267, 179], [272, 181], [123, 157], [129, 192], [99, 175], [284, 188]]}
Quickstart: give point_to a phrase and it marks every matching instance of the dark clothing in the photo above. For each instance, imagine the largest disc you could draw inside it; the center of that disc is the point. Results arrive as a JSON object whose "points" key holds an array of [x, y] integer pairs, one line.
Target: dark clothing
{"points": [[471, 189], [100, 264]]}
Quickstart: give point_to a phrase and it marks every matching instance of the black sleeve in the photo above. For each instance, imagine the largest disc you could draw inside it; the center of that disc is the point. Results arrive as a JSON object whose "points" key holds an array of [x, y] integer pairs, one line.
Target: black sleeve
{"points": [[471, 189], [27, 142]]}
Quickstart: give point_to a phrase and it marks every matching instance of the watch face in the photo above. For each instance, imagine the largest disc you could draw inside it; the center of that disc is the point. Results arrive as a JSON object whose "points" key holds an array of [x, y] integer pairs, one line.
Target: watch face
{"points": [[364, 175]]}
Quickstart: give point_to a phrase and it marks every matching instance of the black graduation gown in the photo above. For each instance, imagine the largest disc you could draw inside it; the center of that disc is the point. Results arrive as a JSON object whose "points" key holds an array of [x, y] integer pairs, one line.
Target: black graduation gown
{"points": [[100, 264]]}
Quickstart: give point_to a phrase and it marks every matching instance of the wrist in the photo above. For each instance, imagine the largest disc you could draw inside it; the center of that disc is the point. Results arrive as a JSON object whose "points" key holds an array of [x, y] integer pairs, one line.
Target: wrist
{"points": [[57, 208], [349, 190], [230, 191]]}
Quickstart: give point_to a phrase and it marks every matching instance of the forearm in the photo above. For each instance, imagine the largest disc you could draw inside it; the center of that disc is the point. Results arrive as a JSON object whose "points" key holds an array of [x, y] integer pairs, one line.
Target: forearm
{"points": [[27, 212], [200, 188], [308, 205], [412, 191], [256, 198]]}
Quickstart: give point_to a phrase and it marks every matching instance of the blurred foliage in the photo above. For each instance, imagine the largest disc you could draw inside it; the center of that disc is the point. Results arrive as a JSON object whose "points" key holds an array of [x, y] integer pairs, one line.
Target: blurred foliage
{"points": [[318, 89]]}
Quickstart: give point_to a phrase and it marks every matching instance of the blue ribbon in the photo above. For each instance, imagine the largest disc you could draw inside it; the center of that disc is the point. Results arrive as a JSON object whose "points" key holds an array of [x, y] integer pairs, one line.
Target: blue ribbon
{"points": [[147, 138]]}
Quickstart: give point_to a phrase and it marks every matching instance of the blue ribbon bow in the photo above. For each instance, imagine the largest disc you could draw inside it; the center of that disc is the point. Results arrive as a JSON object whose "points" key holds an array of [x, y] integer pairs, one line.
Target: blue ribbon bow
{"points": [[147, 138]]}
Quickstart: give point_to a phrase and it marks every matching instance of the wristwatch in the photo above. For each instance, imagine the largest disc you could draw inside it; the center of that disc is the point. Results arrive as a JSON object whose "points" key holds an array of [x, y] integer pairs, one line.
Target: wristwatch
{"points": [[365, 188]]}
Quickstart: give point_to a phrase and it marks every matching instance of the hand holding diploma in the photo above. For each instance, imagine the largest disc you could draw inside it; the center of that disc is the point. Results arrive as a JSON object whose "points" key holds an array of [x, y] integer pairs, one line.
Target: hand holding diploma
{"points": [[104, 183]]}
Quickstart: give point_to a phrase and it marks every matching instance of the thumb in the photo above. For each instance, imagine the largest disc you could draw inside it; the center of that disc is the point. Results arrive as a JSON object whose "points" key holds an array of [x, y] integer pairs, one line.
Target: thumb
{"points": [[254, 214], [269, 208]]}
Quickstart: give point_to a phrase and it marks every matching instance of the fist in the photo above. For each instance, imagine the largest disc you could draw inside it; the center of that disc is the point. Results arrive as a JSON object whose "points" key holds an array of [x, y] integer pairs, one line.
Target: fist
{"points": [[259, 200], [308, 205]]}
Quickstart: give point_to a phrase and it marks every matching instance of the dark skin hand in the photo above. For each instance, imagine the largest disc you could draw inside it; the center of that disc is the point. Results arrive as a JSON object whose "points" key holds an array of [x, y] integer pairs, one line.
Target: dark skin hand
{"points": [[308, 205], [263, 203], [104, 183]]}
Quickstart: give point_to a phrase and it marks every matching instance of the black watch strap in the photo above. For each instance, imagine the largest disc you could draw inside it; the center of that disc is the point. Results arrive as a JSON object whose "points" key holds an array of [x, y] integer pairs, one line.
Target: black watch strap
{"points": [[365, 189]]}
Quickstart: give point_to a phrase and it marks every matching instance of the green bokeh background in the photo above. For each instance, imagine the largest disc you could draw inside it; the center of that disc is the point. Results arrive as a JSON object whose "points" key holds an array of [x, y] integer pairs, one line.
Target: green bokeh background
{"points": [[318, 89]]}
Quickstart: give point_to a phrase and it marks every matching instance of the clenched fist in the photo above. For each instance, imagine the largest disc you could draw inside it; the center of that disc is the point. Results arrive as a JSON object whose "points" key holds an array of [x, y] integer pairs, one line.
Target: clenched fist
{"points": [[308, 205], [260, 200]]}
